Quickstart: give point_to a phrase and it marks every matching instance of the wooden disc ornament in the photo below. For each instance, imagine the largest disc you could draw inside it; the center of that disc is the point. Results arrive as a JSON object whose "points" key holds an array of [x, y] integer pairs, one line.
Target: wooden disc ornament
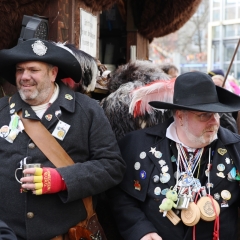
{"points": [[191, 215], [207, 211]]}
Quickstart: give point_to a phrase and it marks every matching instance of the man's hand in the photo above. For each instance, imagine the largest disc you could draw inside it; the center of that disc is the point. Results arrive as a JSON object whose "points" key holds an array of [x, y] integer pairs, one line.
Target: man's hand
{"points": [[151, 236], [43, 181]]}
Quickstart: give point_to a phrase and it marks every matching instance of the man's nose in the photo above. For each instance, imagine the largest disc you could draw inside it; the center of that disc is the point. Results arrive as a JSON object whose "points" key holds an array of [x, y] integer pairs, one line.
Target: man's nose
{"points": [[25, 75]]}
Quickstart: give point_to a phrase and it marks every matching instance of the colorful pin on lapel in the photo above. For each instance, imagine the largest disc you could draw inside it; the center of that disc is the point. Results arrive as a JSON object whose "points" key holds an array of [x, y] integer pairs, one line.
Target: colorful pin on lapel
{"points": [[227, 160], [162, 162], [156, 179], [137, 185], [222, 151], [216, 196], [157, 191], [27, 114], [12, 105], [164, 191], [12, 111], [143, 174], [220, 174], [58, 113], [164, 177], [68, 97], [173, 159], [164, 169], [221, 167], [48, 117], [158, 154]]}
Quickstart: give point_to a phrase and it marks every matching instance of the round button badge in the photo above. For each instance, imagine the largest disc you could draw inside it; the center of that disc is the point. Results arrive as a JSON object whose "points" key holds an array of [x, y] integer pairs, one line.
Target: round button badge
{"points": [[137, 165], [142, 155], [164, 177], [225, 194], [157, 191]]}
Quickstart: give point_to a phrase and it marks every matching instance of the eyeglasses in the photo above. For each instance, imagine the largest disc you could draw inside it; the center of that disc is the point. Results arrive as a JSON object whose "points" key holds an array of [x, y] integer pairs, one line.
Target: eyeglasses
{"points": [[204, 117]]}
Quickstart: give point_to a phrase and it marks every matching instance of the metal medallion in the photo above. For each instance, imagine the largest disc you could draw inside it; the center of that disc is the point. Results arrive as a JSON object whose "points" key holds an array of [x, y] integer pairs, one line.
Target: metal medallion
{"points": [[39, 48], [225, 194]]}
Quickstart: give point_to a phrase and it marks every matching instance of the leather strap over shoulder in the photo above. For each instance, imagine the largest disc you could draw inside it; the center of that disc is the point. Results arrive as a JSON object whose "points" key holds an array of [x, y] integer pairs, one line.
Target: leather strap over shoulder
{"points": [[52, 150]]}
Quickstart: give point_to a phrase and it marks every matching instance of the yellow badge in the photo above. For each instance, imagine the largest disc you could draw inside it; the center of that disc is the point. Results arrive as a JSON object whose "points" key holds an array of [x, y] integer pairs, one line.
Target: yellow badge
{"points": [[12, 105], [60, 133], [68, 97], [222, 151]]}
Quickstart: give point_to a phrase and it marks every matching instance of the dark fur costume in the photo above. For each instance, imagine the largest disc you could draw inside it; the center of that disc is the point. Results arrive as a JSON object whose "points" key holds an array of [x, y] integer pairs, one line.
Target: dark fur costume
{"points": [[89, 71], [157, 18], [116, 106]]}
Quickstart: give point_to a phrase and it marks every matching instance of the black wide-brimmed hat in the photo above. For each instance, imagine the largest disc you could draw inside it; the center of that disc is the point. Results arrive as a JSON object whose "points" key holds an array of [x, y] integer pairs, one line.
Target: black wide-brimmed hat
{"points": [[196, 91], [43, 51]]}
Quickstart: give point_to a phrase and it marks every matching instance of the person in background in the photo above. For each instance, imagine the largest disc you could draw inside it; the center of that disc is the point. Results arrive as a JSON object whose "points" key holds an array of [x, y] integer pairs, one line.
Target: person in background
{"points": [[216, 72], [48, 199], [170, 69], [182, 175]]}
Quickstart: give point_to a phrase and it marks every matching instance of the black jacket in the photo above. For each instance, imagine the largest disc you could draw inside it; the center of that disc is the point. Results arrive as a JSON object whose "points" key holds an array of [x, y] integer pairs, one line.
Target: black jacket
{"points": [[91, 144], [6, 233], [137, 211]]}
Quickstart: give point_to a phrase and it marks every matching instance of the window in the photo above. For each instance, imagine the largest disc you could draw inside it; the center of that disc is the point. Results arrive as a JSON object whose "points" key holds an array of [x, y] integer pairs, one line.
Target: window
{"points": [[216, 32]]}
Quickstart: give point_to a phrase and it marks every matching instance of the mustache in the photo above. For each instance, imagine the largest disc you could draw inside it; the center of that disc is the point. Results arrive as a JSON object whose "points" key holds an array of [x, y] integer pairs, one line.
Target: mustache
{"points": [[29, 82], [212, 129]]}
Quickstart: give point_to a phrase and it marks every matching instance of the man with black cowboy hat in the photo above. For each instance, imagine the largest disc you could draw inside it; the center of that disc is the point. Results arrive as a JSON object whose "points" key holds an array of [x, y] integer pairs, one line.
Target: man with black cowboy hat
{"points": [[46, 205], [190, 156]]}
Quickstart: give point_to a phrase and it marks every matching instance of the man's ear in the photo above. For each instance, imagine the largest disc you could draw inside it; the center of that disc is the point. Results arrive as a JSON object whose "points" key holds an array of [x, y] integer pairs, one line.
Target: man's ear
{"points": [[54, 72]]}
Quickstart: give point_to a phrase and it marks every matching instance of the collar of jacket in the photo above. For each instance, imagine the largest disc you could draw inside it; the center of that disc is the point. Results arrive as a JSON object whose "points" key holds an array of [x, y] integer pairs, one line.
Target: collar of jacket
{"points": [[63, 102], [227, 137]]}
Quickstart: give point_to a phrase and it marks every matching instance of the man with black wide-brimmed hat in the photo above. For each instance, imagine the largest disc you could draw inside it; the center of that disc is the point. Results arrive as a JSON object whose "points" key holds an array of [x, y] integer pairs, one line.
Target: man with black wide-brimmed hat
{"points": [[49, 201], [189, 156]]}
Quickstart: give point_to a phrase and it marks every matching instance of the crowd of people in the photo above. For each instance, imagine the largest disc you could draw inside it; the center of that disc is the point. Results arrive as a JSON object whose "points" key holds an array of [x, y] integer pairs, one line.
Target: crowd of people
{"points": [[162, 150]]}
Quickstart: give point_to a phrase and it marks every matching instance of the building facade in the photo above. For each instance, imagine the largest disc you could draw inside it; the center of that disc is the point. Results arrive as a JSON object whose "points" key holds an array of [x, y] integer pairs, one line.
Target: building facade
{"points": [[223, 36]]}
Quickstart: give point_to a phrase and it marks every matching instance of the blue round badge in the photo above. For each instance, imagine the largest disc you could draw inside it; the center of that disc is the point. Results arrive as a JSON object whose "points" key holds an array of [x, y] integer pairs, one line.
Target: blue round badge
{"points": [[143, 174], [164, 191]]}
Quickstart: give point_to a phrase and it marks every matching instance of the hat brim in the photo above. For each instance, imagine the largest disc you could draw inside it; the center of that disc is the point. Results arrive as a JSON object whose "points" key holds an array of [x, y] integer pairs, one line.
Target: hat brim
{"points": [[228, 102], [68, 66]]}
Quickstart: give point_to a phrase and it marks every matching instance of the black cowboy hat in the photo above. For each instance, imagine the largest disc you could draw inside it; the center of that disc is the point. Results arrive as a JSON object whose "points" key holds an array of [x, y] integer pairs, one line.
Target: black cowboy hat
{"points": [[196, 91], [43, 51]]}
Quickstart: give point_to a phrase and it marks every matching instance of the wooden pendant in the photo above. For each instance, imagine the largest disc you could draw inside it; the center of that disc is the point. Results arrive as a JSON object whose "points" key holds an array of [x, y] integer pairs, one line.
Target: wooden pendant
{"points": [[207, 212], [172, 217], [191, 215]]}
